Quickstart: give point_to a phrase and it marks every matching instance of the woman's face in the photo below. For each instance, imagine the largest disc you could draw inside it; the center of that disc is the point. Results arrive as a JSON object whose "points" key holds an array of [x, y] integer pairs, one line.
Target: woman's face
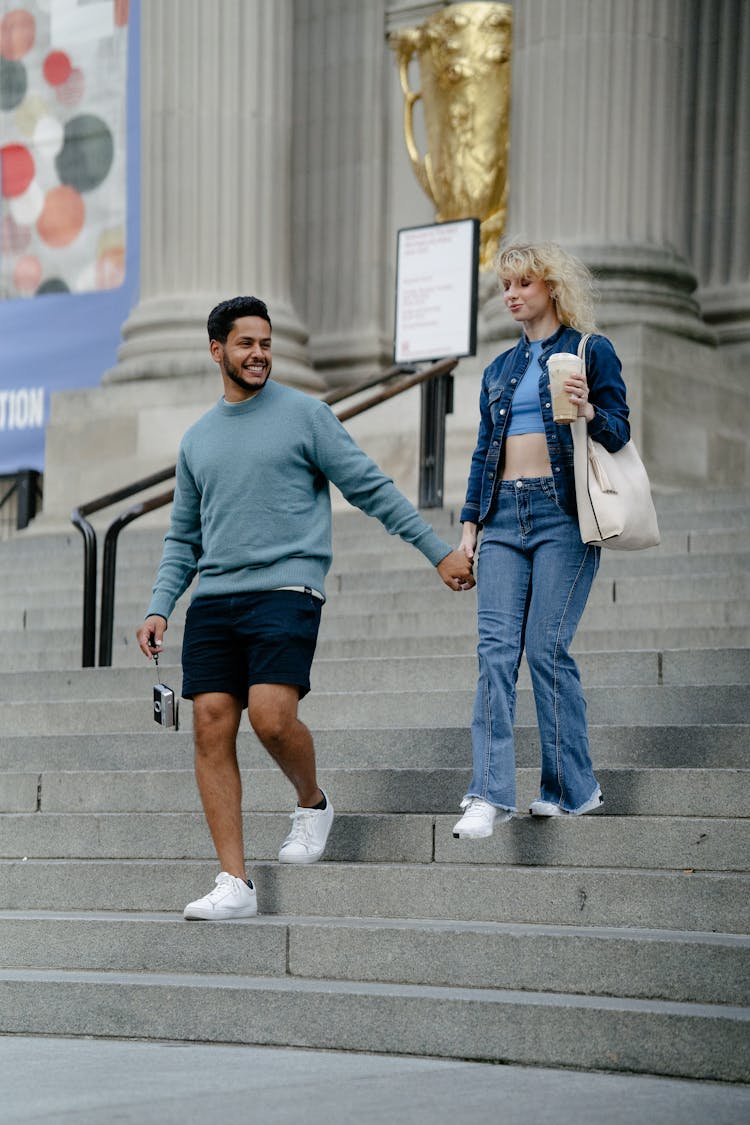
{"points": [[527, 298]]}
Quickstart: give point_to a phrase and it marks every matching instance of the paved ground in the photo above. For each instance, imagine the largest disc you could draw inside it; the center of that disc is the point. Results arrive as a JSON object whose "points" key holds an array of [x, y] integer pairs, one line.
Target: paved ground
{"points": [[111, 1082]]}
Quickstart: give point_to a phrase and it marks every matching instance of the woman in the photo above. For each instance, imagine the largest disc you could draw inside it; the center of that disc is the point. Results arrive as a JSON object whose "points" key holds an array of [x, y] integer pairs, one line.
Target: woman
{"points": [[534, 572]]}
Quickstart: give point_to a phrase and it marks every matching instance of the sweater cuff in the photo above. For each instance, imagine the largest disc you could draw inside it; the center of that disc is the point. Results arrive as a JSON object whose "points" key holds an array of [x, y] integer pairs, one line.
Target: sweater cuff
{"points": [[161, 606], [433, 547]]}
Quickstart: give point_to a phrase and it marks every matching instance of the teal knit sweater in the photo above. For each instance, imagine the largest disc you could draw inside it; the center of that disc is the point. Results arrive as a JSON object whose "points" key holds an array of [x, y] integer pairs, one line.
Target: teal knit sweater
{"points": [[252, 508]]}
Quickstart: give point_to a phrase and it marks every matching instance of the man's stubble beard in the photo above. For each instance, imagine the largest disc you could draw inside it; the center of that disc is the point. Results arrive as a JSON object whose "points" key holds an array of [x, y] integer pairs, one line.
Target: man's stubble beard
{"points": [[234, 374]]}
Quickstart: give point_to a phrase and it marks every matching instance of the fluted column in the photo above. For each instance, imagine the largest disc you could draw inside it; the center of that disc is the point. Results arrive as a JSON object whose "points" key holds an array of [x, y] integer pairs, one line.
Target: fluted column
{"points": [[339, 193], [216, 183], [720, 233], [599, 148]]}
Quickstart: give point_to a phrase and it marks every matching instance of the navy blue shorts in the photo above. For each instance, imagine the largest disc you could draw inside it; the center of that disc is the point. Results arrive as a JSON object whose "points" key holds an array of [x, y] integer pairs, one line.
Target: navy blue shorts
{"points": [[233, 642]]}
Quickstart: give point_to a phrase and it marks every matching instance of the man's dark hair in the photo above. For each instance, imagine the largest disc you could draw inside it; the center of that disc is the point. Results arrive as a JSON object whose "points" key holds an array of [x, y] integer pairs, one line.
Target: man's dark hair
{"points": [[221, 318]]}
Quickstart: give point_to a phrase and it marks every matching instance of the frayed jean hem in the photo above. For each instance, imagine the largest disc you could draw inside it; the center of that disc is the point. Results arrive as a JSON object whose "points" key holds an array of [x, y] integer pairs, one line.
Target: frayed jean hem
{"points": [[502, 808]]}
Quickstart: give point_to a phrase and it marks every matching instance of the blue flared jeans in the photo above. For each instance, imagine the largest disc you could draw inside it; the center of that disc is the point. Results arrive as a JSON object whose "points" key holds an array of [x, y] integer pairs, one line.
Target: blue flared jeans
{"points": [[533, 578]]}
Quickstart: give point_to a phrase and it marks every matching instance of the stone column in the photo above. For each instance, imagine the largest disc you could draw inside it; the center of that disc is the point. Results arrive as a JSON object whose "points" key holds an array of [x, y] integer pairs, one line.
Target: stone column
{"points": [[599, 155], [603, 159], [339, 185], [216, 183], [720, 233]]}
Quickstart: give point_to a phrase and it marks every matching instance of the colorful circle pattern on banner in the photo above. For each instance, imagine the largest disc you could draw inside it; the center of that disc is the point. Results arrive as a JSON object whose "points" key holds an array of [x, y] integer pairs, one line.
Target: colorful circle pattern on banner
{"points": [[62, 160]]}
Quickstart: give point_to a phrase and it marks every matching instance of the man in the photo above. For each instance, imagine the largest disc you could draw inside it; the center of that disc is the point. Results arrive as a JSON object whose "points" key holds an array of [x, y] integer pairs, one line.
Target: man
{"points": [[252, 516]]}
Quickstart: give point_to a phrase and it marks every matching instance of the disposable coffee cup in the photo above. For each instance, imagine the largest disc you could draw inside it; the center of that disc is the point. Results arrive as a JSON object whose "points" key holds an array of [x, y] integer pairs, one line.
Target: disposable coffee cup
{"points": [[560, 367]]}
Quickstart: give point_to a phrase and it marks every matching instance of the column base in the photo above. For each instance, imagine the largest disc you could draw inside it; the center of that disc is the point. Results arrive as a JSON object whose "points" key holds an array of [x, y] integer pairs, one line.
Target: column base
{"points": [[644, 285], [727, 309]]}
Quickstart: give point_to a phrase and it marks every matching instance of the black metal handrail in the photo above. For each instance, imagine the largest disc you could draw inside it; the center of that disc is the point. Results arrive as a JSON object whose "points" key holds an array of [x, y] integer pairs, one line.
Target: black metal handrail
{"points": [[79, 520], [26, 490], [436, 378]]}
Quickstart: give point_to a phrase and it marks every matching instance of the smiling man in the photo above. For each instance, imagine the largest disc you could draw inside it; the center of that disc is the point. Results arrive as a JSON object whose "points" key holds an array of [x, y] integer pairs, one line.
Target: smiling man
{"points": [[252, 517]]}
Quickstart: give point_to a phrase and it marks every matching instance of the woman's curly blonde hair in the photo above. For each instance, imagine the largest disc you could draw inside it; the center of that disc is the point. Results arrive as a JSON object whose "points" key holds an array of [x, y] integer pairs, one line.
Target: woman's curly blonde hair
{"points": [[570, 283]]}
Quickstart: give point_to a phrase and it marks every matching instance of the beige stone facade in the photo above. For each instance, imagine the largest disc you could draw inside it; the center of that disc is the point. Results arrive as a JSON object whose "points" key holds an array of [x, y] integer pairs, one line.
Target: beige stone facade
{"points": [[277, 166]]}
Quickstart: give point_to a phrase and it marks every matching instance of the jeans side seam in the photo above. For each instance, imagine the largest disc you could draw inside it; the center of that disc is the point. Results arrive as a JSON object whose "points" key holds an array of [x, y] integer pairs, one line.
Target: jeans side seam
{"points": [[487, 737], [554, 673]]}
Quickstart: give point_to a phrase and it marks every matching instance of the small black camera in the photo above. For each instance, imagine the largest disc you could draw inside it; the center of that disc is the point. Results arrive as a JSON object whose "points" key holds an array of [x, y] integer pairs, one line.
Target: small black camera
{"points": [[166, 706]]}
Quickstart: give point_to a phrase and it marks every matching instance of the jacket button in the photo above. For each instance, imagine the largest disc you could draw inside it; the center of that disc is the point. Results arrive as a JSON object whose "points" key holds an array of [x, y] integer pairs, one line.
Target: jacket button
{"points": [[513, 382], [547, 405], [502, 411], [496, 443]]}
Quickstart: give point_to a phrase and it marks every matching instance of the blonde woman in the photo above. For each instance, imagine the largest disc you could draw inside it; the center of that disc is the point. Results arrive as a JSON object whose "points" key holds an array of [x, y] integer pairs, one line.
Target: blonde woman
{"points": [[534, 573]]}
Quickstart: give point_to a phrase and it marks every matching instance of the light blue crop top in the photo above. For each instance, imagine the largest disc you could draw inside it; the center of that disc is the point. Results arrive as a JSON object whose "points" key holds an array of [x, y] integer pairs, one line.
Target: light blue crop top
{"points": [[525, 411]]}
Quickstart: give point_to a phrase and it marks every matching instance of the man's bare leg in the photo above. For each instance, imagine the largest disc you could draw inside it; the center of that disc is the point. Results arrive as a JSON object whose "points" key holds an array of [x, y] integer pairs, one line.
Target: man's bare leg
{"points": [[216, 720], [272, 710]]}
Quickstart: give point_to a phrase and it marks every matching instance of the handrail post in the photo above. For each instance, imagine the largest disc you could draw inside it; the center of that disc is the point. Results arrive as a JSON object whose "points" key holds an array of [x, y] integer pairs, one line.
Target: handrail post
{"points": [[27, 487], [88, 649], [109, 570], [107, 610], [437, 401]]}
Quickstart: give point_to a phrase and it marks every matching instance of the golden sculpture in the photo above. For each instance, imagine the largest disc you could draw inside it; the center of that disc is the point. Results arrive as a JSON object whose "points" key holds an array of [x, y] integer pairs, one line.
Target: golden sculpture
{"points": [[464, 65]]}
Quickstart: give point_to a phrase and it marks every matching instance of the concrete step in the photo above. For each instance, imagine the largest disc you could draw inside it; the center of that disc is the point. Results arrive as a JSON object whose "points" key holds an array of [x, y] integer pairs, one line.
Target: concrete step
{"points": [[639, 792], [668, 704], [625, 602], [693, 512], [684, 746], [358, 574], [418, 673], [710, 518], [715, 535], [657, 1037], [649, 843], [700, 968], [628, 792], [586, 641], [702, 499], [463, 891], [688, 507], [36, 608], [59, 649], [614, 565]]}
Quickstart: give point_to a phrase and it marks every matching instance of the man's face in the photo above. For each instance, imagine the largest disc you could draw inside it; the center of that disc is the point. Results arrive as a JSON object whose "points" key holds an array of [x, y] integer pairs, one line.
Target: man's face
{"points": [[245, 359]]}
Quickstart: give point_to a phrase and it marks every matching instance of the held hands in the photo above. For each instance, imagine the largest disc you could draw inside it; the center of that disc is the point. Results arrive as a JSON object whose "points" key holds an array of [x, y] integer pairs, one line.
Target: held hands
{"points": [[456, 570], [468, 542], [151, 634]]}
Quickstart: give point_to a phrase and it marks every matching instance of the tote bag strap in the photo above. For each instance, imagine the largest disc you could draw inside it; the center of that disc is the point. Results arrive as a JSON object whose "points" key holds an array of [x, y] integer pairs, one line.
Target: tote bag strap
{"points": [[579, 428]]}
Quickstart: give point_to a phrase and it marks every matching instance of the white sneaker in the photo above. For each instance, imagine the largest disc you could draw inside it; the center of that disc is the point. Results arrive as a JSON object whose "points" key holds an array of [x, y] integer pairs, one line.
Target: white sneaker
{"points": [[547, 808], [230, 898], [307, 840], [478, 820]]}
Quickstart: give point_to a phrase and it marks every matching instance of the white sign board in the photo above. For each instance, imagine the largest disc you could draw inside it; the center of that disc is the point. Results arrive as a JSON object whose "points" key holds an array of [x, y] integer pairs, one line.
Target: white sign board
{"points": [[436, 291]]}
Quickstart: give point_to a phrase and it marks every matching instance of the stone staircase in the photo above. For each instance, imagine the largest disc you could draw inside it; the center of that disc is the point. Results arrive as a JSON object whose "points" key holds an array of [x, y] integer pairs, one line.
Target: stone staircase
{"points": [[617, 941]]}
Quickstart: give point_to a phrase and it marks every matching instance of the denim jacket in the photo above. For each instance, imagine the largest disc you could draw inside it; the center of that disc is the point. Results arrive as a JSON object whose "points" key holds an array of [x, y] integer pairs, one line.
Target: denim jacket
{"points": [[609, 426]]}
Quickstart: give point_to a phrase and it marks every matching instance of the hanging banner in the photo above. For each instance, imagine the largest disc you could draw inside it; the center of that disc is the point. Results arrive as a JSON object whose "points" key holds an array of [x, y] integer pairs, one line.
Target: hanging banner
{"points": [[69, 204]]}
